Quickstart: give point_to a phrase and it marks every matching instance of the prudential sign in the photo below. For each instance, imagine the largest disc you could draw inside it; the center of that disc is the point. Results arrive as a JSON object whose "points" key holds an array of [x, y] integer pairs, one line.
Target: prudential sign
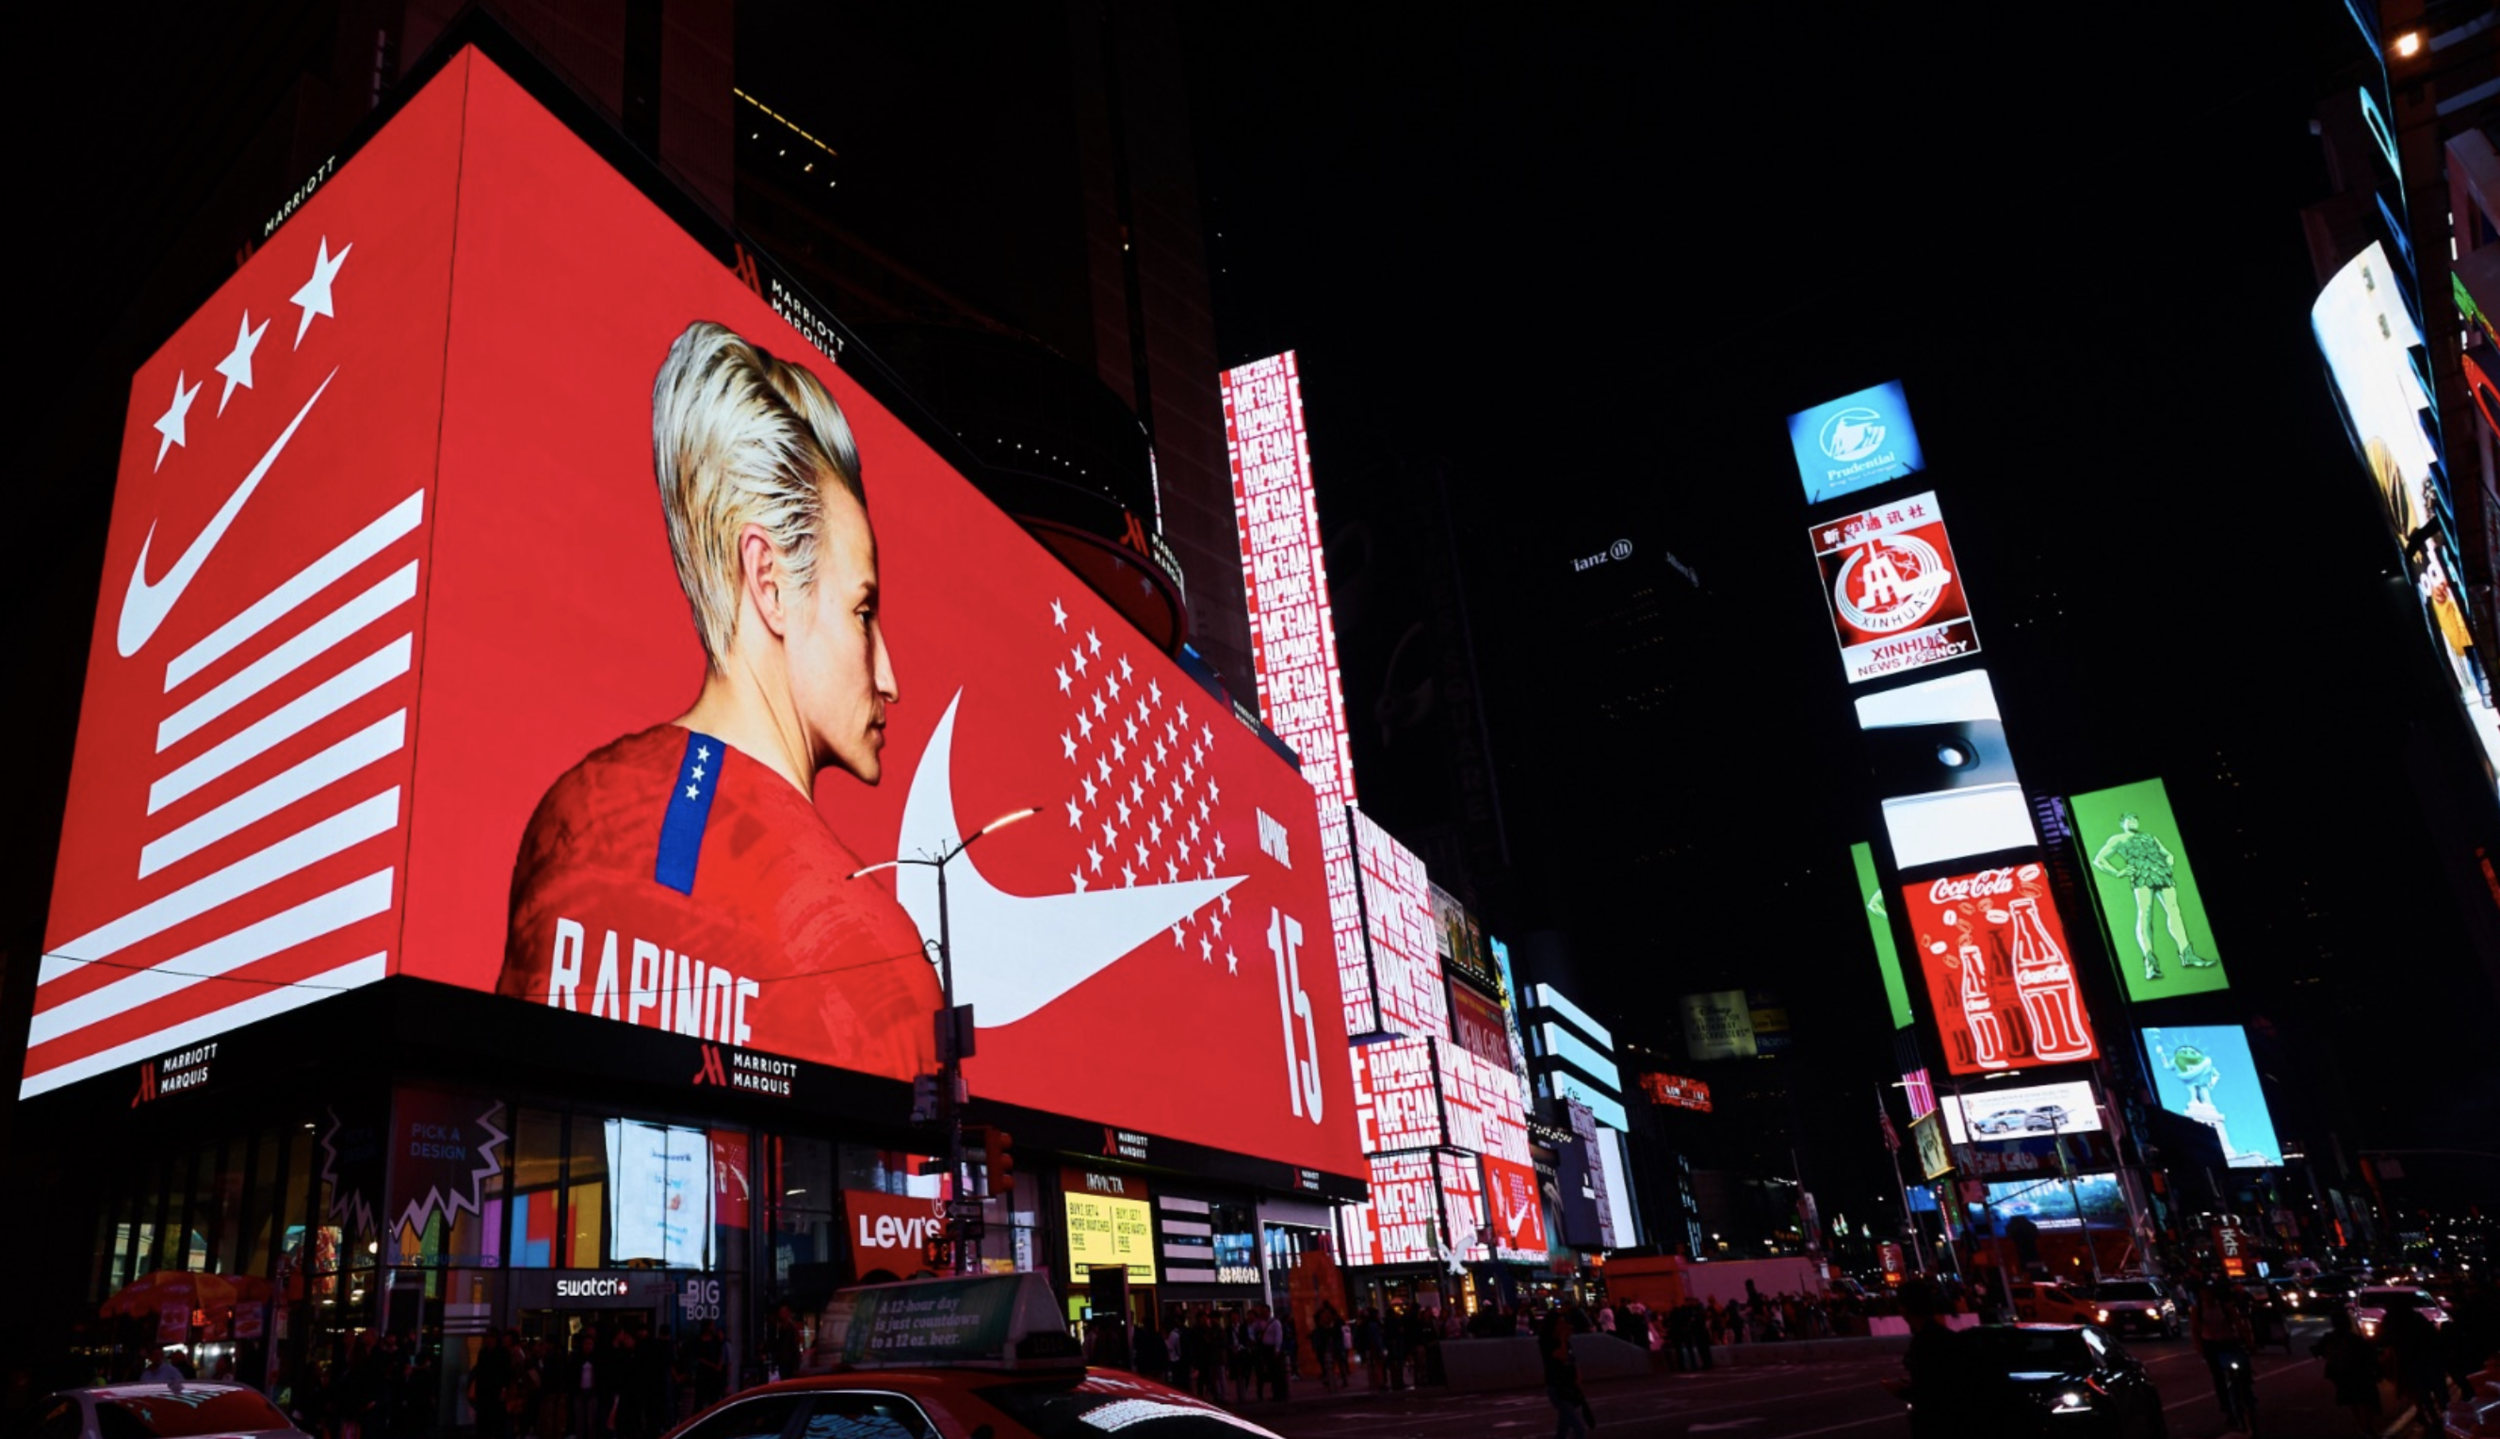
{"points": [[1855, 442]]}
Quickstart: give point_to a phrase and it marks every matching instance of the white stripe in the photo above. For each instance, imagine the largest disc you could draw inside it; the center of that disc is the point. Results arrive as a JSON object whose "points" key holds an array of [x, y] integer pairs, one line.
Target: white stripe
{"points": [[1186, 1206], [354, 825], [1176, 1226], [319, 638], [1181, 1276], [383, 737], [353, 975], [286, 721], [311, 580], [323, 914]]}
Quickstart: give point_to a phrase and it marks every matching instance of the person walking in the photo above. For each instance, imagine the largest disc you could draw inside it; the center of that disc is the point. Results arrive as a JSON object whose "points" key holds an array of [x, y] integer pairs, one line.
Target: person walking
{"points": [[489, 1376], [711, 1365], [1572, 1415], [1328, 1345], [2351, 1364]]}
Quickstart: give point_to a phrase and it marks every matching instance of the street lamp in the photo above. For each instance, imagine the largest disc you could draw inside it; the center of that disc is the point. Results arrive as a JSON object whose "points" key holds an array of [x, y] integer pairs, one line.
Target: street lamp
{"points": [[950, 1055]]}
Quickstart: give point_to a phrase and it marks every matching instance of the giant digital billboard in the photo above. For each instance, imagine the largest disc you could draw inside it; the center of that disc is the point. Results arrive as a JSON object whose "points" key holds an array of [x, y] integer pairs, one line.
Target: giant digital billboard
{"points": [[1397, 1100], [2364, 326], [1855, 442], [2059, 1203], [1998, 973], [691, 629], [1717, 1025], [1401, 1222], [1879, 928], [1945, 772], [1895, 595], [2020, 1113], [1293, 628], [1402, 970], [2147, 892], [2205, 1072]]}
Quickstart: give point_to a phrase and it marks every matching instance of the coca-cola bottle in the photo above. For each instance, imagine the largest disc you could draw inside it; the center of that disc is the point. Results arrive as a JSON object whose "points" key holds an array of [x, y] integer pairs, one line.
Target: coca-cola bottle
{"points": [[2046, 983], [1987, 1032]]}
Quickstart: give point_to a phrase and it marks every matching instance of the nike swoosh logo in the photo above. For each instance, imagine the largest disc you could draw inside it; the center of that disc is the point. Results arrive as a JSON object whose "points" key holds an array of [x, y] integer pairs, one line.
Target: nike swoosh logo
{"points": [[1016, 953], [144, 605]]}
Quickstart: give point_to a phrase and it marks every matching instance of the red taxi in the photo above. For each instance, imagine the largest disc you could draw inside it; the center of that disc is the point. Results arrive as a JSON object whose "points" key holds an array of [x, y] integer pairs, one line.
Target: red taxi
{"points": [[976, 1358]]}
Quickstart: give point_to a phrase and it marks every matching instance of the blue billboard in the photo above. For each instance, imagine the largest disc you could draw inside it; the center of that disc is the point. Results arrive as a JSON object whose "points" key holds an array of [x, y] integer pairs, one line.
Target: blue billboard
{"points": [[1855, 442], [2205, 1072]]}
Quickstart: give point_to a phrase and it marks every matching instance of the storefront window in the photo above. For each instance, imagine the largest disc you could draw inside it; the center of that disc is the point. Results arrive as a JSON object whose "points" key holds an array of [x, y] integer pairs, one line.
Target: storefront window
{"points": [[586, 1193], [537, 1175], [262, 1205]]}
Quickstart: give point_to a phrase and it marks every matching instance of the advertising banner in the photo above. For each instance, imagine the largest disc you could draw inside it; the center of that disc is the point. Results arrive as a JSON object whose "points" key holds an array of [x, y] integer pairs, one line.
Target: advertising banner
{"points": [[1461, 941], [934, 1323], [1110, 1221], [445, 1148], [1997, 971], [659, 1194], [1401, 1224], [1397, 1100], [1998, 1113], [1674, 1091], [2147, 892], [2059, 1203], [1293, 629], [1855, 442], [1462, 1204], [1933, 1160], [2040, 1154], [1896, 598], [1518, 1215], [1717, 1025], [1408, 995], [1486, 1105], [1479, 1025], [1940, 756], [2204, 1072], [657, 742], [891, 1232], [733, 1189], [1879, 928]]}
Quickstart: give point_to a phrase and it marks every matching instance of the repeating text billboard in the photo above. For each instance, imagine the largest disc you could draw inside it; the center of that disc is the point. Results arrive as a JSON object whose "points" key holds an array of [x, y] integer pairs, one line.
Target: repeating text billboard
{"points": [[663, 722], [1403, 976], [2148, 893]]}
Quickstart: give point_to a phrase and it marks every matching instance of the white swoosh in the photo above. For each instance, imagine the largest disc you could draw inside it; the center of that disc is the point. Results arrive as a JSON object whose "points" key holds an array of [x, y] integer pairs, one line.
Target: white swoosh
{"points": [[1016, 953], [144, 605]]}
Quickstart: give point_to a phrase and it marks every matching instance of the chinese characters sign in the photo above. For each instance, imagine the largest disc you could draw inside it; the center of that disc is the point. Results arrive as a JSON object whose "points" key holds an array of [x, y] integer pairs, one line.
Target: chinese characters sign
{"points": [[1895, 596]]}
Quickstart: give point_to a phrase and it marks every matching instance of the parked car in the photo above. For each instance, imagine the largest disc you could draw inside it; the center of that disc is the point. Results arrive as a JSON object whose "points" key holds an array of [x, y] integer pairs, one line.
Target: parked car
{"points": [[160, 1411]]}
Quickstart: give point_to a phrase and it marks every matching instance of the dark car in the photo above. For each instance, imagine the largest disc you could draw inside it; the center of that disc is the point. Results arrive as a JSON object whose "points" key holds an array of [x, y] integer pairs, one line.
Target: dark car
{"points": [[2135, 1306], [2051, 1380]]}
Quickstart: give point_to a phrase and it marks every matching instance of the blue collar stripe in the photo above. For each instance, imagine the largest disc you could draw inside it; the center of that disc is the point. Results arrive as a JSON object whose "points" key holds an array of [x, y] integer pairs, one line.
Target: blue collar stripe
{"points": [[689, 810]]}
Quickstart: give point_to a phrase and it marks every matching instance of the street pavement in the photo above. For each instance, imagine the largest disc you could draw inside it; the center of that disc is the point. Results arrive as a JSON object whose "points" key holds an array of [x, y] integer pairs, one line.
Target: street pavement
{"points": [[1787, 1401]]}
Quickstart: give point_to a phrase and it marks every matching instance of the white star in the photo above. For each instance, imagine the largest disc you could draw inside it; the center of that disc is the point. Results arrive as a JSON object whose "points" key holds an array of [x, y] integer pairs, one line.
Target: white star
{"points": [[1075, 820], [1114, 682], [1078, 880], [1084, 724], [1227, 900], [237, 365], [1188, 771], [1162, 750], [1150, 771], [1094, 640], [315, 296], [1210, 866], [1110, 836], [694, 792], [1219, 844], [1193, 831], [1102, 764], [1215, 791], [1119, 750], [1207, 733], [1080, 661], [1178, 939], [1128, 876], [703, 753], [1132, 728], [1093, 858], [1171, 871], [698, 771], [1232, 961], [1141, 853], [1184, 713], [1167, 811], [1154, 691], [1136, 791], [1171, 731], [1100, 709], [1062, 672], [1058, 616], [1184, 844], [1087, 780], [1206, 948], [169, 424], [1123, 804], [1217, 921], [1067, 742], [1154, 830], [1125, 671]]}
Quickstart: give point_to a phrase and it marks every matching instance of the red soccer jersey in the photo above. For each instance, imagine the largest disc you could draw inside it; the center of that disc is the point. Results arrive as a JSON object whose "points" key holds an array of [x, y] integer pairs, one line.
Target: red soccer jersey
{"points": [[668, 880]]}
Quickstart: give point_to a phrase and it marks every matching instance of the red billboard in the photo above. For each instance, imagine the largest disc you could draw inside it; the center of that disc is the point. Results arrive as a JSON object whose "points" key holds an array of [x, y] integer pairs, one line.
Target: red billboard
{"points": [[1396, 1101], [406, 665], [1997, 971], [1401, 1223], [1485, 1104], [1518, 1230], [1674, 1091], [1896, 597], [1479, 1025], [1401, 964]]}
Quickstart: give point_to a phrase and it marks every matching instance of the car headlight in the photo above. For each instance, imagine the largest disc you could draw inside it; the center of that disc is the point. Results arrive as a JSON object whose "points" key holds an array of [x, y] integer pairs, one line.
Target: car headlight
{"points": [[2072, 1401], [2104, 1315]]}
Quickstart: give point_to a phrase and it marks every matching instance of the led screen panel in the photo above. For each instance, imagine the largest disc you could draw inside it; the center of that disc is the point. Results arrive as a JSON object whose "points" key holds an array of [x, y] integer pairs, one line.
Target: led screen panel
{"points": [[2205, 1072], [1110, 1229], [1998, 972], [1516, 1211], [2057, 1203], [1717, 1025], [2364, 327], [1939, 753], [1293, 631], [2001, 1113], [1404, 974], [659, 1194], [1618, 1172], [1397, 1102], [1486, 1105], [1401, 1223], [432, 510], [1463, 1204], [1855, 442], [1461, 940], [1674, 1091], [1934, 1160], [2147, 892], [1879, 928], [1894, 592], [1479, 1025]]}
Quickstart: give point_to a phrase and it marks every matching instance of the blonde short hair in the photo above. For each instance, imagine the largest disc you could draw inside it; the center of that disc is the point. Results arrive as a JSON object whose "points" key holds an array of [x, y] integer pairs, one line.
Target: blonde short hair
{"points": [[739, 437]]}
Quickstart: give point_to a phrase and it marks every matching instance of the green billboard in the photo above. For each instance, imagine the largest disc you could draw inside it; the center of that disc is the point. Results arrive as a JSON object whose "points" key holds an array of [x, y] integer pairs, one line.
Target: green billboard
{"points": [[2148, 893], [1871, 895]]}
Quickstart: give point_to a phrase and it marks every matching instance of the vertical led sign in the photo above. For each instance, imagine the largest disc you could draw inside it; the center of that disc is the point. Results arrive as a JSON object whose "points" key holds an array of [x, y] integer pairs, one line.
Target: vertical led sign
{"points": [[2147, 892]]}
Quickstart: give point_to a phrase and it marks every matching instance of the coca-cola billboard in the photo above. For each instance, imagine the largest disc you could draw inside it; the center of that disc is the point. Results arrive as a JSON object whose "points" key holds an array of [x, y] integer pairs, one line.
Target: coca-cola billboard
{"points": [[1998, 973]]}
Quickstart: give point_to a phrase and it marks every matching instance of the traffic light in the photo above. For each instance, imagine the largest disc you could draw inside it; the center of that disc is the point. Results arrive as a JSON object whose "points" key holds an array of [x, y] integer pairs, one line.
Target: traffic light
{"points": [[924, 1099], [995, 1146]]}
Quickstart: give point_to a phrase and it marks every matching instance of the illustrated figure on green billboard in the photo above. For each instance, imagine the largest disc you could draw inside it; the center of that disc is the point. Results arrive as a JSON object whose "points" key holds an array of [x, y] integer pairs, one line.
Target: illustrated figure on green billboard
{"points": [[2146, 864]]}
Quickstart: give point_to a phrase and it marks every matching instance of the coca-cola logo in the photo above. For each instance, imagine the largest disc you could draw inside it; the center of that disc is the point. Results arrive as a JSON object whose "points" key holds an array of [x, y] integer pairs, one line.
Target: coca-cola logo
{"points": [[1983, 885]]}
